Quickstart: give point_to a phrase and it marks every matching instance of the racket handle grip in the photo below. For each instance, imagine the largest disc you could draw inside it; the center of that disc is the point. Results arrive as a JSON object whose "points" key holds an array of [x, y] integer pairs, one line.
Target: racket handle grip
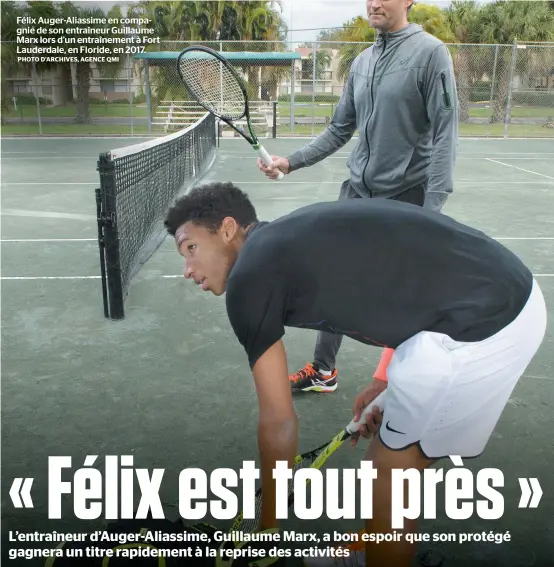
{"points": [[266, 158], [379, 401]]}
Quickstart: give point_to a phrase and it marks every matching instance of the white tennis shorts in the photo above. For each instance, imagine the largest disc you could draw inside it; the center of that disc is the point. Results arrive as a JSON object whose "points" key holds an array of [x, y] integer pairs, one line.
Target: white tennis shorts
{"points": [[448, 396]]}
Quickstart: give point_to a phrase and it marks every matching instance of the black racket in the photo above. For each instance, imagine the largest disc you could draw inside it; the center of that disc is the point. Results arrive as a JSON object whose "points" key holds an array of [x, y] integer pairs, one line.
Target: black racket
{"points": [[218, 88]]}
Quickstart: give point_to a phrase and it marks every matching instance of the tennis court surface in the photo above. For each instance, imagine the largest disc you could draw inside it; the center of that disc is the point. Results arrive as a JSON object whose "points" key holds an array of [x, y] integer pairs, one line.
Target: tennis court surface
{"points": [[170, 385]]}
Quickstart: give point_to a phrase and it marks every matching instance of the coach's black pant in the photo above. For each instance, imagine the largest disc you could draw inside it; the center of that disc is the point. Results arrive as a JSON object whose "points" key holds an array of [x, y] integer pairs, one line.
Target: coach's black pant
{"points": [[328, 344]]}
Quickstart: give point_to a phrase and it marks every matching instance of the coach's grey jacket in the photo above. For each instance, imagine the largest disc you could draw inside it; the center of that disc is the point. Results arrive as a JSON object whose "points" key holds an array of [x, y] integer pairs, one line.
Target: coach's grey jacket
{"points": [[401, 97]]}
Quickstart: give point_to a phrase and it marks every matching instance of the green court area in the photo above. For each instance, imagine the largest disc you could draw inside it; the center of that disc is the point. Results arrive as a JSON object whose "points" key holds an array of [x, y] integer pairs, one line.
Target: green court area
{"points": [[326, 110], [120, 119], [170, 385], [70, 110], [300, 109], [283, 130]]}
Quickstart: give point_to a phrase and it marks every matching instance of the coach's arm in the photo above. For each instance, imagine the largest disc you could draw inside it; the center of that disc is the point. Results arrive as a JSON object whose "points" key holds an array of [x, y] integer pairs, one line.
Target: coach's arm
{"points": [[442, 110], [277, 423]]}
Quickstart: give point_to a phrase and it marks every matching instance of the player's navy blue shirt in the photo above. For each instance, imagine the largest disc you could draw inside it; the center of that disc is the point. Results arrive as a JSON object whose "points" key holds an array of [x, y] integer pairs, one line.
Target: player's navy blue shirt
{"points": [[376, 271]]}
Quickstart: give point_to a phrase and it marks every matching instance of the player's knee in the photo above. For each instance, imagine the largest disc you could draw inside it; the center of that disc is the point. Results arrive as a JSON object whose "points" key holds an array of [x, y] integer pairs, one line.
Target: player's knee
{"points": [[385, 459]]}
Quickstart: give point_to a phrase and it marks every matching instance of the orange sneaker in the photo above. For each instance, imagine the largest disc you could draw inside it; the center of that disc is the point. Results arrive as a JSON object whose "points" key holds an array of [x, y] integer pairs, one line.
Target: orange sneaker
{"points": [[310, 379]]}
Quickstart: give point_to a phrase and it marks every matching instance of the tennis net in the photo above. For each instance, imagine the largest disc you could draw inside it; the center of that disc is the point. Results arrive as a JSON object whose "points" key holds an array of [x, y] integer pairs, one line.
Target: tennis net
{"points": [[138, 184]]}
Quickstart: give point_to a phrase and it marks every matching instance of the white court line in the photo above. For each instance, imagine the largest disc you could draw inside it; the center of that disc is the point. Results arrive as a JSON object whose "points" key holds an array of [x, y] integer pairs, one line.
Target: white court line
{"points": [[96, 239], [477, 139], [520, 168], [462, 157], [310, 182], [277, 183], [48, 183], [523, 237], [170, 276], [27, 278], [35, 158], [100, 137], [539, 377], [45, 214], [8, 138], [49, 240]]}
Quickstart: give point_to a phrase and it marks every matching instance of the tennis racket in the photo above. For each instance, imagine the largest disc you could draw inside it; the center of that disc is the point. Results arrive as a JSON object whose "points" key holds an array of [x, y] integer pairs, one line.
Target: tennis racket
{"points": [[314, 459], [218, 88]]}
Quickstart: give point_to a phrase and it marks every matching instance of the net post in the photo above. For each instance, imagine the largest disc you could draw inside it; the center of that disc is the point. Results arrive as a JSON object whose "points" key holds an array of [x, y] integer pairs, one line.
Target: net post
{"points": [[274, 126], [99, 218], [138, 183], [106, 170]]}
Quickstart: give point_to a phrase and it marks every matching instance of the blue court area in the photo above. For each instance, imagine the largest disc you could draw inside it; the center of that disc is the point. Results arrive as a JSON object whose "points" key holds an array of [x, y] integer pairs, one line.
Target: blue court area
{"points": [[170, 385]]}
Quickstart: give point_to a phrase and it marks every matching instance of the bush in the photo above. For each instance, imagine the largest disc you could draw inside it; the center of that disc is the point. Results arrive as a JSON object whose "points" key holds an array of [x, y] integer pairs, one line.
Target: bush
{"points": [[481, 90], [30, 99], [533, 98], [303, 97]]}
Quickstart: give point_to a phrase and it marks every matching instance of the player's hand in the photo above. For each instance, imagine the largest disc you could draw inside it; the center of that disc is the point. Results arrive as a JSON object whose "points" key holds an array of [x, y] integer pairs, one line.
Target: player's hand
{"points": [[372, 420], [279, 163]]}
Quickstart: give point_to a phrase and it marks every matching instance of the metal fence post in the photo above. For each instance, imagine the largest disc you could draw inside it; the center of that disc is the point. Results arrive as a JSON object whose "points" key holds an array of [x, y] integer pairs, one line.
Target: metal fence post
{"points": [[491, 101], [35, 76], [292, 89], [147, 94], [510, 86], [314, 54], [130, 86], [274, 124]]}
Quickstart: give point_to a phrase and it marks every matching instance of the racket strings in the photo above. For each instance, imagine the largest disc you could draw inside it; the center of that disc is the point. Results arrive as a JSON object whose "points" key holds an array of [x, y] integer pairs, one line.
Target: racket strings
{"points": [[212, 83]]}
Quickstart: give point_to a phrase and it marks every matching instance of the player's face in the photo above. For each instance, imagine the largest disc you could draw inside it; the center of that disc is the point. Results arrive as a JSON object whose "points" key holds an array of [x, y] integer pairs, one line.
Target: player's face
{"points": [[208, 256], [387, 15]]}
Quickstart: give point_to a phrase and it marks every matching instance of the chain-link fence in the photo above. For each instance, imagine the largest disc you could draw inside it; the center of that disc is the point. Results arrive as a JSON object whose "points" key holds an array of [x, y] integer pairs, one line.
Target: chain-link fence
{"points": [[503, 90]]}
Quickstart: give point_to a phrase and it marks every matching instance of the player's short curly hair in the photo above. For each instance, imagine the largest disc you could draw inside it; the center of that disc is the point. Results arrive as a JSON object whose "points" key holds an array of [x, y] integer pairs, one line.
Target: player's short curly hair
{"points": [[207, 206]]}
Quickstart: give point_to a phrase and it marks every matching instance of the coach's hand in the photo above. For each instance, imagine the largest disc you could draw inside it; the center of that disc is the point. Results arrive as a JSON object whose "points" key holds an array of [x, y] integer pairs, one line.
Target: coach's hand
{"points": [[372, 420], [280, 163]]}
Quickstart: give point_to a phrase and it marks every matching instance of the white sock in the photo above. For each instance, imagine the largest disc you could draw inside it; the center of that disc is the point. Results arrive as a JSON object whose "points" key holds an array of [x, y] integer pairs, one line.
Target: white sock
{"points": [[325, 372]]}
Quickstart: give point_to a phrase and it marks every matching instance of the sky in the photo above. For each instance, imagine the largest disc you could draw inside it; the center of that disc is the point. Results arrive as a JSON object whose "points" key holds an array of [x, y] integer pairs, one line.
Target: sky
{"points": [[308, 14]]}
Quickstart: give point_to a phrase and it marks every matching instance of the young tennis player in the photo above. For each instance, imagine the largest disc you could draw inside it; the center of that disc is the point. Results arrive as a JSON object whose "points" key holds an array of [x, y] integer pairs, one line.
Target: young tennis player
{"points": [[463, 313]]}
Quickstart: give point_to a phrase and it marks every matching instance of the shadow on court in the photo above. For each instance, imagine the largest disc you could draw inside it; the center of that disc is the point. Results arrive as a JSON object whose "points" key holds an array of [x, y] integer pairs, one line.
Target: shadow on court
{"points": [[170, 385]]}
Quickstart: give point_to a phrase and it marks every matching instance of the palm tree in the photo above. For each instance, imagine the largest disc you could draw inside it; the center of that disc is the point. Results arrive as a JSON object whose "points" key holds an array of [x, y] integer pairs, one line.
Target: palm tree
{"points": [[173, 21], [505, 23], [10, 64], [208, 23], [83, 69], [360, 36], [259, 21], [10, 13], [433, 21], [469, 62]]}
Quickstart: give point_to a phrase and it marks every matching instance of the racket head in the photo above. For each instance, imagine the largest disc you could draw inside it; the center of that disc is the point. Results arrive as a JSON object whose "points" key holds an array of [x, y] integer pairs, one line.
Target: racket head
{"points": [[213, 82]]}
